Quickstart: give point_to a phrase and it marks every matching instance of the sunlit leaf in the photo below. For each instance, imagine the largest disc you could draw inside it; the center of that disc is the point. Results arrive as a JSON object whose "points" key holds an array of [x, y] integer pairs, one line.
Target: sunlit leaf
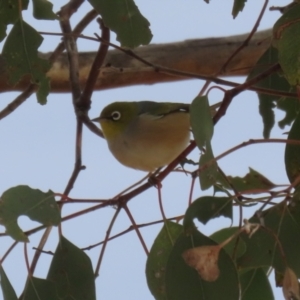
{"points": [[23, 200], [158, 257], [20, 53], [207, 208], [125, 20], [184, 282], [72, 272]]}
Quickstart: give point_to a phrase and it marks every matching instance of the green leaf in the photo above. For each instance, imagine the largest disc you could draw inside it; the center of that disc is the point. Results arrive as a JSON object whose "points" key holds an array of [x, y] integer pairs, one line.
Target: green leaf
{"points": [[286, 32], [238, 6], [255, 285], [42, 10], [292, 152], [282, 223], [10, 13], [23, 200], [125, 20], [7, 289], [209, 175], [158, 257], [253, 181], [183, 282], [276, 82], [201, 121], [37, 289], [207, 208], [21, 58], [236, 247], [203, 129], [71, 270]]}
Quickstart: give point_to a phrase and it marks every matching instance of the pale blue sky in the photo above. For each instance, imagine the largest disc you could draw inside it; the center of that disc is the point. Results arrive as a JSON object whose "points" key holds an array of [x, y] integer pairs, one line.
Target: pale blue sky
{"points": [[38, 149]]}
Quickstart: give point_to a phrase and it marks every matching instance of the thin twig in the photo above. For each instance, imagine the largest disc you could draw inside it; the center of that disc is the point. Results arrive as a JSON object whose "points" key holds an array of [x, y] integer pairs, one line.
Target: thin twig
{"points": [[85, 99], [129, 229], [125, 207], [247, 40], [111, 224], [65, 13], [82, 24], [12, 246], [11, 107]]}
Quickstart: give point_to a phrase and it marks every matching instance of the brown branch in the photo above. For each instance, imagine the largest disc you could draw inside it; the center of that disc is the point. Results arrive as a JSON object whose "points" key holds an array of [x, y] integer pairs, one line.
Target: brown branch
{"points": [[202, 56], [71, 47], [85, 99]]}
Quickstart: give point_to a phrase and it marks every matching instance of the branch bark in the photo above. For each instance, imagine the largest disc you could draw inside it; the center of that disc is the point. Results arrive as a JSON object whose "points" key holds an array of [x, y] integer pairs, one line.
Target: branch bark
{"points": [[201, 56]]}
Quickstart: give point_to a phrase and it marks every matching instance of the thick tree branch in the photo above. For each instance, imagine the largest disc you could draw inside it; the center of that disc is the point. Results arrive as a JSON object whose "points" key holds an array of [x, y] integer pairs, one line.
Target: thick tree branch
{"points": [[202, 56]]}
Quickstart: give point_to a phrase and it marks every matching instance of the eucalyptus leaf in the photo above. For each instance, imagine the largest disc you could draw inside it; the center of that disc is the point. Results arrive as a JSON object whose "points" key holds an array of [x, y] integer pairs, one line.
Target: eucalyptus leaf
{"points": [[125, 19], [238, 6], [20, 53], [72, 272], [23, 200], [286, 32], [158, 258]]}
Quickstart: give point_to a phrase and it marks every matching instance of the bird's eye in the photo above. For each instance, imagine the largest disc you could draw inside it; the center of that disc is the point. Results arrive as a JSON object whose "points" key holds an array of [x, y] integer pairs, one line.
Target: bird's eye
{"points": [[116, 115]]}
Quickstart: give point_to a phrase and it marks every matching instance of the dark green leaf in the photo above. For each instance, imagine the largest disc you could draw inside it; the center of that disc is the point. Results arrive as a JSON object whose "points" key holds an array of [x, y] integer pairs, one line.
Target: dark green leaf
{"points": [[255, 285], [125, 20], [238, 6], [21, 58], [71, 270], [9, 14], [183, 282], [276, 82], [39, 289], [292, 152], [236, 247], [158, 257], [203, 128], [7, 289], [262, 250], [253, 181], [42, 10], [201, 121], [207, 208], [209, 174], [286, 32], [23, 200]]}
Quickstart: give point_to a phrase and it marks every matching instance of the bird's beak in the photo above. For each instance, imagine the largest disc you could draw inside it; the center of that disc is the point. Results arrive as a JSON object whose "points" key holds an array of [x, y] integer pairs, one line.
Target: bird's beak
{"points": [[96, 119]]}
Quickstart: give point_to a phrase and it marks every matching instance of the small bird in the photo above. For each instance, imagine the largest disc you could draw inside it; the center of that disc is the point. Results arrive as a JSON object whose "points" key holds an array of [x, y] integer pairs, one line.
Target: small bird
{"points": [[145, 135]]}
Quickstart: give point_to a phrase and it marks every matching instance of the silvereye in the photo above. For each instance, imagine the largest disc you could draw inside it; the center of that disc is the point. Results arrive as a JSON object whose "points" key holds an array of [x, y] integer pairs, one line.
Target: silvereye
{"points": [[145, 135]]}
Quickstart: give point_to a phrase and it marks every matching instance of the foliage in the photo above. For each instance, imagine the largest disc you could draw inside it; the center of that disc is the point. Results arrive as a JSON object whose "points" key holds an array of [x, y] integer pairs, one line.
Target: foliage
{"points": [[183, 263]]}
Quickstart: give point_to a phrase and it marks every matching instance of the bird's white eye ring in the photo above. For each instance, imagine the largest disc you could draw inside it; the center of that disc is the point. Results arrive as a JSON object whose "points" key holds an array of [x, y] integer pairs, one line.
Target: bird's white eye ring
{"points": [[115, 115]]}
